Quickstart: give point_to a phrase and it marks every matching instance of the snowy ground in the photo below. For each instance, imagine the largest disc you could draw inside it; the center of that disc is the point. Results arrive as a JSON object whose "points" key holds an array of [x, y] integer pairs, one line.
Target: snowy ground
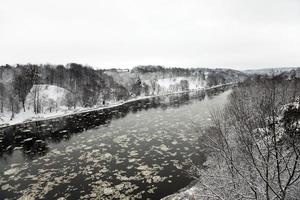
{"points": [[188, 193]]}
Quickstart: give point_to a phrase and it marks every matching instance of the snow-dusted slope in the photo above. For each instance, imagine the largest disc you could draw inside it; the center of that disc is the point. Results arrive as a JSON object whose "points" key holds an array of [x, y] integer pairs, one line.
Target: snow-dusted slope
{"points": [[159, 83], [194, 83], [174, 84], [50, 100], [48, 97]]}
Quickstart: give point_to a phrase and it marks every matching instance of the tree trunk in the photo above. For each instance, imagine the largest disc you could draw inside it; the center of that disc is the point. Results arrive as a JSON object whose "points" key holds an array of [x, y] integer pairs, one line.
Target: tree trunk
{"points": [[35, 101], [23, 104], [12, 110], [2, 106]]}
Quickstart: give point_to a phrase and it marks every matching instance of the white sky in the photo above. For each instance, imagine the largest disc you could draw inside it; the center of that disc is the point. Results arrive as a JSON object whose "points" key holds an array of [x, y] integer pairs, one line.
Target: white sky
{"points": [[236, 34]]}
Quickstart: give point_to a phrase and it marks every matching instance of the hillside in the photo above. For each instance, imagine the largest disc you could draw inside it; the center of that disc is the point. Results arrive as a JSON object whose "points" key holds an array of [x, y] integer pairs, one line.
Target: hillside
{"points": [[155, 80], [42, 89]]}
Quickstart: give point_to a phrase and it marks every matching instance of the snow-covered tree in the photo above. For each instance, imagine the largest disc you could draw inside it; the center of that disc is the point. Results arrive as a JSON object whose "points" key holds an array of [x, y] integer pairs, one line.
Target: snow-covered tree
{"points": [[253, 145]]}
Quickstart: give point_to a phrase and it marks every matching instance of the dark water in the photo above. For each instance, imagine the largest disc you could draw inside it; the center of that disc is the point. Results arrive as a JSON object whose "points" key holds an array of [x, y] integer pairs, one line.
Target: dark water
{"points": [[138, 150]]}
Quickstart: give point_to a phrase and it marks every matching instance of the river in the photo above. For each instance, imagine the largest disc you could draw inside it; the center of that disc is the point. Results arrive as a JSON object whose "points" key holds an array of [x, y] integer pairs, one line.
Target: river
{"points": [[139, 150]]}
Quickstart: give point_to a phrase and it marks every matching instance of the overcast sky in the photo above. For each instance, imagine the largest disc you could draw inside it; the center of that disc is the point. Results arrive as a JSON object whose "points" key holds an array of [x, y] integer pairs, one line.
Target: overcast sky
{"points": [[236, 34]]}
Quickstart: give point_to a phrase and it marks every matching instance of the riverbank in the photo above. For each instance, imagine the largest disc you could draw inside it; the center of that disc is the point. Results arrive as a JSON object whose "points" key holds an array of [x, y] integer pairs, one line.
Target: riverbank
{"points": [[188, 192], [27, 117]]}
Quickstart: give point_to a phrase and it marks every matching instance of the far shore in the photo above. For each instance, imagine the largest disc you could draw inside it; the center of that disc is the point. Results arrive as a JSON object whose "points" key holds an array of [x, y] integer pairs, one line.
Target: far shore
{"points": [[117, 104]]}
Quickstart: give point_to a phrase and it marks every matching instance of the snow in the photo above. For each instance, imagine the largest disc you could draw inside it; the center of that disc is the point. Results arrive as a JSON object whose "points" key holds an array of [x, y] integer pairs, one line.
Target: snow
{"points": [[108, 191], [194, 83], [11, 171], [163, 147], [6, 187], [186, 193]]}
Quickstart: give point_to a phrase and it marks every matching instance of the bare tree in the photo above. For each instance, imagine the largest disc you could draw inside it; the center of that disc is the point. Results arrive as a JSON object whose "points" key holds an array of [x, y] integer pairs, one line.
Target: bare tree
{"points": [[23, 82], [36, 99], [254, 146], [3, 94]]}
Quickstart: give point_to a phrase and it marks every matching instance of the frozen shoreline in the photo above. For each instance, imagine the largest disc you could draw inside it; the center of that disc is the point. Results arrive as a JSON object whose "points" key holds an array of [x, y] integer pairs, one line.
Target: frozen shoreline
{"points": [[188, 192], [49, 116]]}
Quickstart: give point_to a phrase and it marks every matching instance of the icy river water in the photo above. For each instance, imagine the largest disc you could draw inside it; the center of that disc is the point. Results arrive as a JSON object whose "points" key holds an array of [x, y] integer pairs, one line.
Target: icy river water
{"points": [[139, 150]]}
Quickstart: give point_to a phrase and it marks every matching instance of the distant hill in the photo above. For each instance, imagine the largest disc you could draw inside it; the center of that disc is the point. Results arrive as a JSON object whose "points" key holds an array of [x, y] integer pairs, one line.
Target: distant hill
{"points": [[269, 71]]}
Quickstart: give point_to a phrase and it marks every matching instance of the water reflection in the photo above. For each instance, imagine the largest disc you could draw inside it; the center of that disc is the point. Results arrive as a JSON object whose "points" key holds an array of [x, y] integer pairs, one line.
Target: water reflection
{"points": [[33, 138]]}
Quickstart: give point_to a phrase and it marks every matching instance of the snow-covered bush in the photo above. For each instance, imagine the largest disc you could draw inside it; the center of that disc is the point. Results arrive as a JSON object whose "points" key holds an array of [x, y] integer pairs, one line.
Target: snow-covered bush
{"points": [[290, 118]]}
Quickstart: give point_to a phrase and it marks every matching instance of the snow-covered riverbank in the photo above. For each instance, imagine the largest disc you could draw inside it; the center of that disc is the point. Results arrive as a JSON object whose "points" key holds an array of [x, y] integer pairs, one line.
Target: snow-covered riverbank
{"points": [[30, 116], [189, 192]]}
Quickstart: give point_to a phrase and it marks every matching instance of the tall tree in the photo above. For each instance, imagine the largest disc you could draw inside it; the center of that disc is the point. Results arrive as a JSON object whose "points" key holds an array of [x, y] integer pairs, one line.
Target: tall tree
{"points": [[3, 94]]}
